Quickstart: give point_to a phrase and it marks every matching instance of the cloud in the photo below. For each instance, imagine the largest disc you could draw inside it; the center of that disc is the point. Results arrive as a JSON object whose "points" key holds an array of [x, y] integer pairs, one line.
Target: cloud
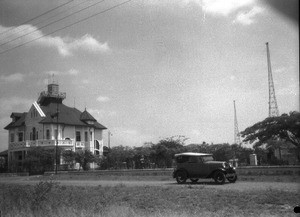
{"points": [[223, 7], [73, 72], [247, 18], [15, 104], [70, 72], [103, 99], [17, 77], [288, 91], [65, 46], [100, 113], [129, 136]]}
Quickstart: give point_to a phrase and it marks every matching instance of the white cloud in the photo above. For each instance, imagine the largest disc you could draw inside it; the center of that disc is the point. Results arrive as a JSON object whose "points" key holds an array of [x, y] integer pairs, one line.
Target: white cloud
{"points": [[70, 72], [132, 137], [103, 99], [85, 81], [232, 77], [73, 72], [100, 113], [17, 77], [288, 91], [247, 18], [223, 7], [15, 104], [65, 46]]}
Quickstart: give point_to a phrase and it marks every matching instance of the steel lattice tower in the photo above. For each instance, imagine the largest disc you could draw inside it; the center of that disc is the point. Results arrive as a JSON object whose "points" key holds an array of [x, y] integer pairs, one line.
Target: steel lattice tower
{"points": [[237, 138], [273, 108]]}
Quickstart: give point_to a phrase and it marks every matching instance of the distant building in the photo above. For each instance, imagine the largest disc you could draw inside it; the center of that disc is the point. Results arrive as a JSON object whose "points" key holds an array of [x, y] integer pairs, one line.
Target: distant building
{"points": [[47, 119]]}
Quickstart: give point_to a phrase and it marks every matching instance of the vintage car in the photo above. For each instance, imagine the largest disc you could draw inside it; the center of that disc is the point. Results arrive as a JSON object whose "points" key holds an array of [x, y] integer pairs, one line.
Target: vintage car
{"points": [[194, 166]]}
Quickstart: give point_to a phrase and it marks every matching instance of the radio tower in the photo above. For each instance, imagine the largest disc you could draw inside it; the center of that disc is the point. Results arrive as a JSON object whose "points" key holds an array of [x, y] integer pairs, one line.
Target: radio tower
{"points": [[273, 108], [237, 138]]}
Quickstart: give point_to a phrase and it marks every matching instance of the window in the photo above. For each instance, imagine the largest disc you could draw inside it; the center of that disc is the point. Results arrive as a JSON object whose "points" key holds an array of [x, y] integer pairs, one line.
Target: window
{"points": [[91, 136], [182, 159], [85, 136], [33, 133], [56, 133], [20, 136], [47, 134], [207, 158], [194, 159], [12, 137], [78, 138]]}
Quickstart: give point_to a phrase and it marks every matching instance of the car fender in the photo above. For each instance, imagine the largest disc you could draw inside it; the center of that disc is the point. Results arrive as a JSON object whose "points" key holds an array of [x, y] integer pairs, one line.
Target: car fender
{"points": [[175, 172], [218, 169]]}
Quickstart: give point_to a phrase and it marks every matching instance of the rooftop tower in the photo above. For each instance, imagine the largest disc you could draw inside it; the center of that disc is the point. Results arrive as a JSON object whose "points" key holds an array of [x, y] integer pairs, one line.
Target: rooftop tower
{"points": [[52, 95]]}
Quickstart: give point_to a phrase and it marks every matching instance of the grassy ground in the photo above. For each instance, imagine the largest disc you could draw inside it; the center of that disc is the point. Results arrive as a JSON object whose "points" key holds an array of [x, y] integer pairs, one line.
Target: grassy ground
{"points": [[49, 198]]}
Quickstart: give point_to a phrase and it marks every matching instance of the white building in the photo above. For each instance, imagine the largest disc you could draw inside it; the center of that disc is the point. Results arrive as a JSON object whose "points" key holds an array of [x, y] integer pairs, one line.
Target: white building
{"points": [[47, 118]]}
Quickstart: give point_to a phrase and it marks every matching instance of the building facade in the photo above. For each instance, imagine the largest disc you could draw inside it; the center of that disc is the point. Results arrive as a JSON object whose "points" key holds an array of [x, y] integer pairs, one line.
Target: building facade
{"points": [[50, 123]]}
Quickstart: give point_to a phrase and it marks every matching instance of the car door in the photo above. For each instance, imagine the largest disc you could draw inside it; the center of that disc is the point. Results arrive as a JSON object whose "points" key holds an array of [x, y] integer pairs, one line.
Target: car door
{"points": [[196, 167], [192, 166]]}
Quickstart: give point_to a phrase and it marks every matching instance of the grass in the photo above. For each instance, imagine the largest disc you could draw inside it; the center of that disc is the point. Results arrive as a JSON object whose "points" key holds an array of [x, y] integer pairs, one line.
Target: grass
{"points": [[48, 198], [166, 177]]}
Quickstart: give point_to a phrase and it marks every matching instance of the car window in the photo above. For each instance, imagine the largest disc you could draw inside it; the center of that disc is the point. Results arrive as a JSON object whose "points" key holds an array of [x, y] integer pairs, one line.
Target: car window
{"points": [[207, 158], [182, 159], [194, 159]]}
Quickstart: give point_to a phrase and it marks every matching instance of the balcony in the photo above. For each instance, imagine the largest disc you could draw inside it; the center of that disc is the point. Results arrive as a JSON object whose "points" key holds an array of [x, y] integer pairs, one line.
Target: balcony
{"points": [[40, 143], [80, 144]]}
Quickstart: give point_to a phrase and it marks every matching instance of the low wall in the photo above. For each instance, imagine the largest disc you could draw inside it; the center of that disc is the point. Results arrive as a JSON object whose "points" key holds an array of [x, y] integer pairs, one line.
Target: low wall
{"points": [[14, 174], [268, 170], [247, 170], [131, 172]]}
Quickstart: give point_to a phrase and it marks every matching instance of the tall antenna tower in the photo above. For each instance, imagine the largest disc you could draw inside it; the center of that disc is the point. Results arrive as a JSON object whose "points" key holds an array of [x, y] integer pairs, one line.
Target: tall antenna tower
{"points": [[273, 108], [237, 138]]}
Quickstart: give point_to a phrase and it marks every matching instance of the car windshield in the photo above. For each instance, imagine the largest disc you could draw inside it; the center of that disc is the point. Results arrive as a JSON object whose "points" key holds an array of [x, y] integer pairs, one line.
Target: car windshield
{"points": [[207, 158]]}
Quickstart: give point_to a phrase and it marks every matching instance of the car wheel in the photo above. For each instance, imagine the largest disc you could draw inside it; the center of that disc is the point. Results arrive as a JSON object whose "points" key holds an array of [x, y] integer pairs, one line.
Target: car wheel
{"points": [[219, 177], [181, 177], [232, 179], [194, 180]]}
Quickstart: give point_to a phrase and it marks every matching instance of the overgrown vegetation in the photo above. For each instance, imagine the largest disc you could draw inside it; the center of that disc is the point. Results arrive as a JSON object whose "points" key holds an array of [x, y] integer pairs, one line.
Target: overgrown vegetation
{"points": [[161, 155], [39, 159], [48, 198]]}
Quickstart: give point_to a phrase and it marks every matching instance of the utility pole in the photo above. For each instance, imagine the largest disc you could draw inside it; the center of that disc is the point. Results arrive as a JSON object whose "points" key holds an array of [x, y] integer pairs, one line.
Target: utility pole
{"points": [[237, 138], [109, 134], [273, 108], [56, 146]]}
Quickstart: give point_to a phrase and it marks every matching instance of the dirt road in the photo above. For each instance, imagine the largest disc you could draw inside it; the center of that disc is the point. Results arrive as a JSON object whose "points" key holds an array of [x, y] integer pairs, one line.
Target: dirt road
{"points": [[238, 186]]}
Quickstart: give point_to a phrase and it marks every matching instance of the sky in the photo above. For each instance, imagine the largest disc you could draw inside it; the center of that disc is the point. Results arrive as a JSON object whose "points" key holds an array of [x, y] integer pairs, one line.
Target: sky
{"points": [[151, 69]]}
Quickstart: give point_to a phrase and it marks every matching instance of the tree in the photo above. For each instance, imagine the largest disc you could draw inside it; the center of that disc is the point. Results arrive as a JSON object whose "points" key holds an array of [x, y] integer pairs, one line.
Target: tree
{"points": [[164, 151], [69, 158], [285, 127], [39, 159], [84, 158]]}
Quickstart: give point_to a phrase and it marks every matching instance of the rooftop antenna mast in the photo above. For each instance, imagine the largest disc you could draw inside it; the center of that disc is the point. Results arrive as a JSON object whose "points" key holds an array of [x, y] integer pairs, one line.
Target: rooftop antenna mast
{"points": [[237, 138], [273, 108]]}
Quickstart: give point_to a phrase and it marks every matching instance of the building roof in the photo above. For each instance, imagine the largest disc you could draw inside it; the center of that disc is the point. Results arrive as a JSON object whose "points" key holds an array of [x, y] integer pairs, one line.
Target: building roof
{"points": [[85, 116], [16, 114], [4, 153], [20, 120], [68, 116]]}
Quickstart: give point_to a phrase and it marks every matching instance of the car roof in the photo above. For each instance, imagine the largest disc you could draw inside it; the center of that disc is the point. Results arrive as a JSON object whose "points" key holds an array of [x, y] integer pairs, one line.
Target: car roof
{"points": [[192, 154]]}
